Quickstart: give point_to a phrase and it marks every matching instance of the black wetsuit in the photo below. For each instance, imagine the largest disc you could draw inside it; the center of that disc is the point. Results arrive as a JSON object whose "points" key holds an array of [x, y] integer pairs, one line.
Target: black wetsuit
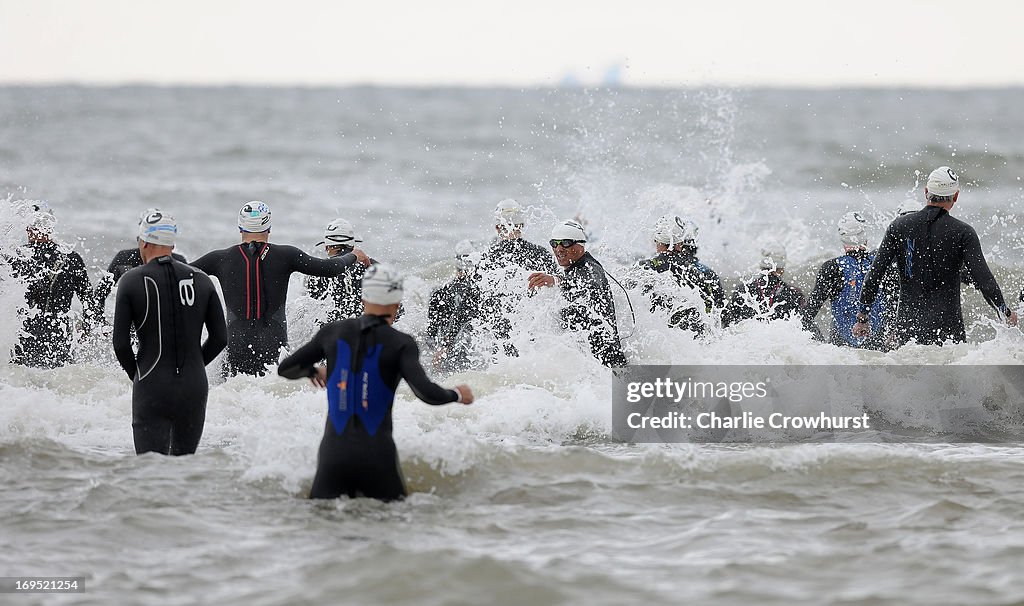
{"points": [[841, 280], [519, 253], [254, 279], [502, 264], [366, 358], [123, 261], [52, 278], [449, 312], [688, 272], [930, 248], [766, 296], [591, 308], [168, 303], [344, 291]]}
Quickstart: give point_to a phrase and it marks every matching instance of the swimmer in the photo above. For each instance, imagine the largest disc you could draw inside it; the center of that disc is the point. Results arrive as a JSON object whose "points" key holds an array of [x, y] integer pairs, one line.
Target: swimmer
{"points": [[366, 358], [167, 303], [254, 279]]}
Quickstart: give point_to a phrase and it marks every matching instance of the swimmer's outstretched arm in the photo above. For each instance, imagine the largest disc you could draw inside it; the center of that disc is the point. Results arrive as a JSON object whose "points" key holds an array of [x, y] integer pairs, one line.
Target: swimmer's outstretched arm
{"points": [[302, 363], [328, 268], [411, 370]]}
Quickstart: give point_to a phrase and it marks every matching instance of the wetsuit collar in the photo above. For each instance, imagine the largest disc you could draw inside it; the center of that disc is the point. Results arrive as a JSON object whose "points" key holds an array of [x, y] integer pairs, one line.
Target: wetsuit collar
{"points": [[581, 261], [367, 321]]}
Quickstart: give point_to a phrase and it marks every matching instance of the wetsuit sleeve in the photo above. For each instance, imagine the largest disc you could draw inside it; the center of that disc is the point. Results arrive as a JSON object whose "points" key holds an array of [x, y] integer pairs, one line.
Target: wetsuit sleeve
{"points": [[80, 284], [412, 371], [312, 266], [974, 260], [883, 259], [440, 307], [208, 263], [714, 286], [827, 286], [302, 363], [122, 331], [216, 327]]}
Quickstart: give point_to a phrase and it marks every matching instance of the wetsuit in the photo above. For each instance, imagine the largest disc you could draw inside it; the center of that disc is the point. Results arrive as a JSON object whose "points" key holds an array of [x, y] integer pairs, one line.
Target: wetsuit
{"points": [[449, 312], [840, 280], [52, 277], [688, 272], [345, 292], [503, 265], [591, 308], [930, 248], [520, 253], [168, 303], [124, 260], [774, 300], [366, 358], [254, 279]]}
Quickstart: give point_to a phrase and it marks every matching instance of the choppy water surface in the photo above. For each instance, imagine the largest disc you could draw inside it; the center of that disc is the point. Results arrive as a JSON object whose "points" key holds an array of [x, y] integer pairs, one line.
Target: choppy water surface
{"points": [[523, 497]]}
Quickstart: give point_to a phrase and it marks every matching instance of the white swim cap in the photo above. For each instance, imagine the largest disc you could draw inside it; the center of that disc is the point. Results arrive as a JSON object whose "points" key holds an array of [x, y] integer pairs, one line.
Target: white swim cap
{"points": [[508, 212], [908, 206], [40, 217], [943, 182], [773, 256], [569, 230], [382, 285], [157, 227], [339, 232], [671, 230], [254, 217], [853, 230], [464, 256]]}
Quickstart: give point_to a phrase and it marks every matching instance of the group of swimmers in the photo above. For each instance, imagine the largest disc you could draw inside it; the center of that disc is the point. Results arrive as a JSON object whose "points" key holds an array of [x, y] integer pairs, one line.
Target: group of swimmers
{"points": [[909, 289]]}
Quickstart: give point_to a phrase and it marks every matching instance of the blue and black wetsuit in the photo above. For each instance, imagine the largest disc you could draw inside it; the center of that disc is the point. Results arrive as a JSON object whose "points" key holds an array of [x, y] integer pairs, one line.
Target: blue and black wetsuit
{"points": [[254, 278], [52, 277], [840, 280], [931, 248], [168, 303], [366, 358], [123, 261]]}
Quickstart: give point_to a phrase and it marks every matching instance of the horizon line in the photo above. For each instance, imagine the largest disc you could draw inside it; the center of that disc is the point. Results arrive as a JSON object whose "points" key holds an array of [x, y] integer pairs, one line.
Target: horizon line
{"points": [[200, 84]]}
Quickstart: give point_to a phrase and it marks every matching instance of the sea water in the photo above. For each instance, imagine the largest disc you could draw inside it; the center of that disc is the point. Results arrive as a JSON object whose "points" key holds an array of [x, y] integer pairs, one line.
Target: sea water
{"points": [[523, 497]]}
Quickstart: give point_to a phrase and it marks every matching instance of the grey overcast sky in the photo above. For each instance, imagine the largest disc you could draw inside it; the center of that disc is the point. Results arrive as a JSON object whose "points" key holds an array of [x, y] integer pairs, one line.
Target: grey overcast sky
{"points": [[942, 43]]}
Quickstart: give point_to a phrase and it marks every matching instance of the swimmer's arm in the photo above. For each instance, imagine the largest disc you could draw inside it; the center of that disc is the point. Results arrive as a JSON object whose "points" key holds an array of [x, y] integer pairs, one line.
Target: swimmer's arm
{"points": [[327, 268], [411, 370], [208, 263], [122, 333], [302, 363], [216, 327], [977, 267], [883, 259], [827, 286]]}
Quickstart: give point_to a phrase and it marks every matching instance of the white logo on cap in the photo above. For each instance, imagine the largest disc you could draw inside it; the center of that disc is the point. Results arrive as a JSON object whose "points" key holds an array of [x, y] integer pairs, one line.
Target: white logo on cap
{"points": [[154, 217]]}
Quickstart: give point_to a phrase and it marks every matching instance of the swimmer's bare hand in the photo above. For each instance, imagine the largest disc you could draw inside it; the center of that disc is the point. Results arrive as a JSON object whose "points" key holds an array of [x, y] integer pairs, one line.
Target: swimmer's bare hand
{"points": [[861, 330], [319, 378], [361, 257], [541, 280], [1012, 320], [465, 394]]}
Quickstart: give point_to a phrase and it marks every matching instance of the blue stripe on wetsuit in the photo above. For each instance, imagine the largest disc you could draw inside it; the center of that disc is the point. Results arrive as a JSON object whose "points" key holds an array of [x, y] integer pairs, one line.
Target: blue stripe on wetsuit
{"points": [[363, 394]]}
